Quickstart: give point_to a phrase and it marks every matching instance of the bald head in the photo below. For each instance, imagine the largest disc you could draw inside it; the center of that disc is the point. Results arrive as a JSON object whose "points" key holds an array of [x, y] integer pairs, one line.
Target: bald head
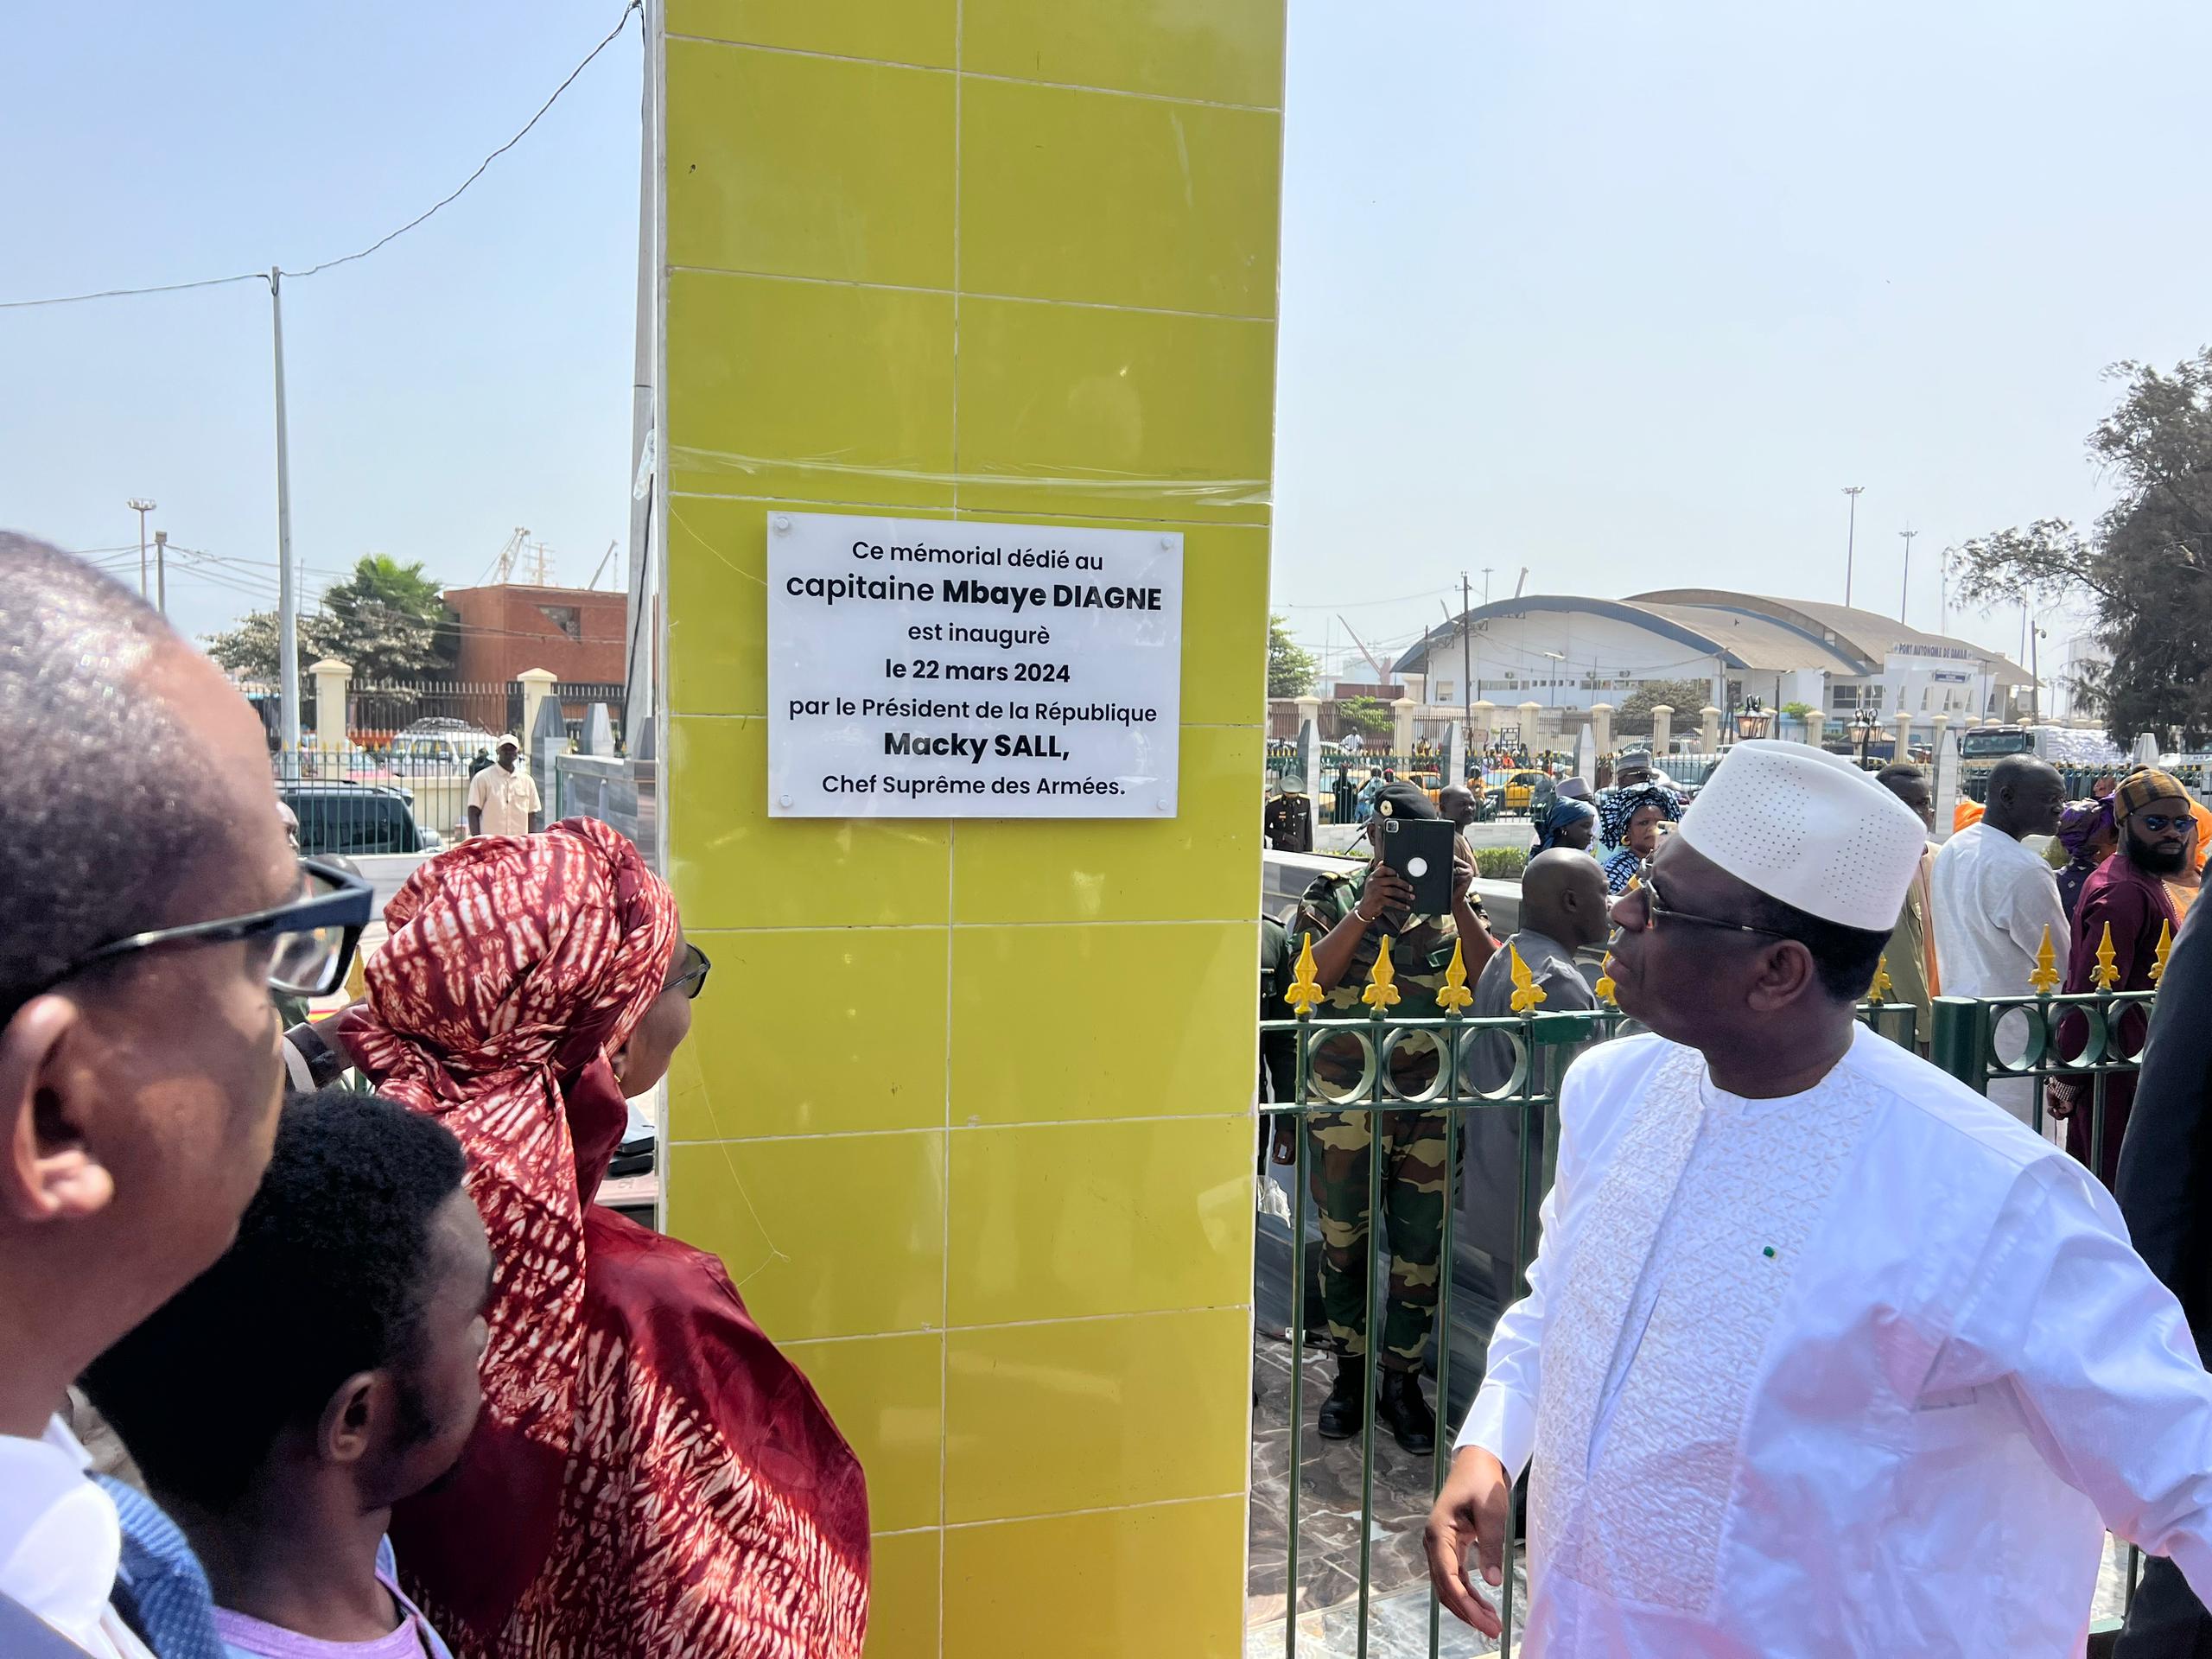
{"points": [[2026, 797], [1563, 896], [116, 797]]}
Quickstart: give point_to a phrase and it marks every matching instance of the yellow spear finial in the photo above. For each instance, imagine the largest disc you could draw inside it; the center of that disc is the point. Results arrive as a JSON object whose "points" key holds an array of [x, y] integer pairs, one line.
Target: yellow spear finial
{"points": [[2165, 949], [1884, 987], [1525, 991], [1455, 995], [2045, 977], [1305, 992], [2106, 974], [1603, 988], [1383, 987]]}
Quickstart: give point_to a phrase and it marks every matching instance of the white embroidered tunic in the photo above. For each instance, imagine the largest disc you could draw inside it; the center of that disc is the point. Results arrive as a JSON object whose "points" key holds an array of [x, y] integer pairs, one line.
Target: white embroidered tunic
{"points": [[1855, 1371]]}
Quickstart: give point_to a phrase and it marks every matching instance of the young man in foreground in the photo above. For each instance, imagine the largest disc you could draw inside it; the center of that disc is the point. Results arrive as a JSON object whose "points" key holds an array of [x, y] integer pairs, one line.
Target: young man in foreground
{"points": [[324, 1369]]}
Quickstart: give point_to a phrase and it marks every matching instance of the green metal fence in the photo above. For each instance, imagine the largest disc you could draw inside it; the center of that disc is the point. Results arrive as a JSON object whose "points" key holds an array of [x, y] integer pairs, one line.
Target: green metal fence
{"points": [[2082, 1041]]}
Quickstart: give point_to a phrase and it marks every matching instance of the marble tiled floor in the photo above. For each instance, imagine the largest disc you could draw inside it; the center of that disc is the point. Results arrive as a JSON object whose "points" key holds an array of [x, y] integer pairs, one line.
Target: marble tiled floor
{"points": [[1329, 1528], [1327, 1606]]}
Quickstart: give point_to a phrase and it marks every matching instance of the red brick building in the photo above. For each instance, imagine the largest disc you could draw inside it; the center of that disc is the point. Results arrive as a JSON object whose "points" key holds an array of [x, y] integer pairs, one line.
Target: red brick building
{"points": [[573, 633]]}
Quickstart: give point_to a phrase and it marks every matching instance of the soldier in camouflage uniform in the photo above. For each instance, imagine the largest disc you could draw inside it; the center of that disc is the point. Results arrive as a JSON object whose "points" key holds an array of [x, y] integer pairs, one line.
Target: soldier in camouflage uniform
{"points": [[1347, 916]]}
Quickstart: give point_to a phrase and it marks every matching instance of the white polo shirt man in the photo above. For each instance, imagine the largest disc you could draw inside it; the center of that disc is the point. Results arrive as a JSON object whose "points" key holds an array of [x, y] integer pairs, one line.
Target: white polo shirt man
{"points": [[502, 799]]}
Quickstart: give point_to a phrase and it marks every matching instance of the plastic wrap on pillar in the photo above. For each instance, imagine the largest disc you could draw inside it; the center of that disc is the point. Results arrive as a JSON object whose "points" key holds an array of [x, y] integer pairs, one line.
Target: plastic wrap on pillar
{"points": [[599, 730], [1946, 783], [547, 739]]}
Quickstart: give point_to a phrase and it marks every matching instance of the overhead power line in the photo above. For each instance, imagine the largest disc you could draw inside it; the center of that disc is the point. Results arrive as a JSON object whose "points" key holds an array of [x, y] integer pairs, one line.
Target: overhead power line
{"points": [[126, 292], [620, 23]]}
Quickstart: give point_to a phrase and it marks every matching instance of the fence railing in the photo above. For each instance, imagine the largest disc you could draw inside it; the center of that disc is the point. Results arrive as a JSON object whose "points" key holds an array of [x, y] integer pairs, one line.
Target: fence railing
{"points": [[1363, 1071], [2080, 1040], [358, 802], [1342, 777], [378, 713]]}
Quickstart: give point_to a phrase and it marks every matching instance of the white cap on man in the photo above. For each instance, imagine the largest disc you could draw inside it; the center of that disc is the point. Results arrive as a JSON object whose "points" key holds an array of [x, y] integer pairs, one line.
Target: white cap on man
{"points": [[1810, 829]]}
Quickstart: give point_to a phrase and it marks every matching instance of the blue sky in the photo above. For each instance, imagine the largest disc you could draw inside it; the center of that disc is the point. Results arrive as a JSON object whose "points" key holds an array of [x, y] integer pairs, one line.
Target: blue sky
{"points": [[1618, 292]]}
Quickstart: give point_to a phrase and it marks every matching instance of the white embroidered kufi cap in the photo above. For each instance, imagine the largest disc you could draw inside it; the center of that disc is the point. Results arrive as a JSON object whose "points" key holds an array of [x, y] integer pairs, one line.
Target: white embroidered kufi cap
{"points": [[1810, 829]]}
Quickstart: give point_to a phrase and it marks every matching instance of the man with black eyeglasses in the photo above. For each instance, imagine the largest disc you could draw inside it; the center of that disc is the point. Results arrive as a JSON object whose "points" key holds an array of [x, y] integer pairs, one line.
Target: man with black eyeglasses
{"points": [[1823, 1352], [152, 903]]}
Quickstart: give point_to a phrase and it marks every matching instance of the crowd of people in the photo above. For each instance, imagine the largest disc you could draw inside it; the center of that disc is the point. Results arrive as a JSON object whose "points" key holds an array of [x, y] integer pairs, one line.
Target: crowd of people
{"points": [[1820, 1351], [384, 1379]]}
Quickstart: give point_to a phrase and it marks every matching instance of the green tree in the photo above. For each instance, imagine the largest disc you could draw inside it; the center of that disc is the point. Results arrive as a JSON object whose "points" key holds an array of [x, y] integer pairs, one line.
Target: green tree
{"points": [[386, 619], [1368, 716], [2145, 565], [1685, 698], [1291, 667]]}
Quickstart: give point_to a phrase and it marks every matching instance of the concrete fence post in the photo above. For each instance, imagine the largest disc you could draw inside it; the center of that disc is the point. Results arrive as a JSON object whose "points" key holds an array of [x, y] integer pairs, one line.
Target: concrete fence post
{"points": [[1402, 725], [537, 684], [331, 679], [1530, 712]]}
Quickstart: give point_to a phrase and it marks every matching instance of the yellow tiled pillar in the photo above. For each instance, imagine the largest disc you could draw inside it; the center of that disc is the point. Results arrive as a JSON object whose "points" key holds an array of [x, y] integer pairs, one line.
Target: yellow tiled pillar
{"points": [[967, 1107]]}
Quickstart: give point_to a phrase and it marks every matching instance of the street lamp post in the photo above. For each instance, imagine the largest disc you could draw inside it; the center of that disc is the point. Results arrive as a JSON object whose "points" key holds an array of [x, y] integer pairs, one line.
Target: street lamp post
{"points": [[1752, 720], [1905, 592], [1559, 661], [141, 506], [1863, 725], [1851, 536]]}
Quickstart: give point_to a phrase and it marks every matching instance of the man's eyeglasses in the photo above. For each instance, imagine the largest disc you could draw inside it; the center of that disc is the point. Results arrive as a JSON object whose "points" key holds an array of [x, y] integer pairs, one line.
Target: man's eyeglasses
{"points": [[310, 939], [2154, 823], [693, 979], [1656, 910]]}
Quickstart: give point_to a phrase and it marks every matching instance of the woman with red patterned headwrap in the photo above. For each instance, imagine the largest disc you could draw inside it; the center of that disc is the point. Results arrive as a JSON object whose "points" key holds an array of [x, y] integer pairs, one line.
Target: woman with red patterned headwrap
{"points": [[649, 1476]]}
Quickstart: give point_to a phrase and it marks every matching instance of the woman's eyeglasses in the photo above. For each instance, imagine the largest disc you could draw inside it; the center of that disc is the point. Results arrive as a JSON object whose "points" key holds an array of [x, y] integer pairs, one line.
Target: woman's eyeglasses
{"points": [[693, 979], [310, 939]]}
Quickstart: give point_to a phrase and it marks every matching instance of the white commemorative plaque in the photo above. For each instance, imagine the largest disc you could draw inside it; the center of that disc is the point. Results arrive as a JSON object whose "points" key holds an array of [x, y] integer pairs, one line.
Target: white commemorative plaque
{"points": [[941, 669]]}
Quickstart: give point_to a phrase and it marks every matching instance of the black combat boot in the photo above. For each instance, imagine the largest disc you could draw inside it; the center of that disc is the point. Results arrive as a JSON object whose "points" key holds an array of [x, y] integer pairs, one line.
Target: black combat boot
{"points": [[1401, 1405], [1340, 1412]]}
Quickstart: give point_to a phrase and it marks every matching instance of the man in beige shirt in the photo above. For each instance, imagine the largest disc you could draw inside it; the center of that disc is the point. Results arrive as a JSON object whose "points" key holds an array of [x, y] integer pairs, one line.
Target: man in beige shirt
{"points": [[502, 800]]}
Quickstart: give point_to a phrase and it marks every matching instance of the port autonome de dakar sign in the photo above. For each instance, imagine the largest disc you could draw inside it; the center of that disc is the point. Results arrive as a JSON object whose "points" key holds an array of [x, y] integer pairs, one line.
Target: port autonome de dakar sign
{"points": [[934, 669]]}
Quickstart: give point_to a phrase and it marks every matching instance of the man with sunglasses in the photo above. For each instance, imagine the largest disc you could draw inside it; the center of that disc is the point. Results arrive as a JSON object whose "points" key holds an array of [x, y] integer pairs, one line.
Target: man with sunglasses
{"points": [[2125, 897], [152, 903], [1821, 1352]]}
